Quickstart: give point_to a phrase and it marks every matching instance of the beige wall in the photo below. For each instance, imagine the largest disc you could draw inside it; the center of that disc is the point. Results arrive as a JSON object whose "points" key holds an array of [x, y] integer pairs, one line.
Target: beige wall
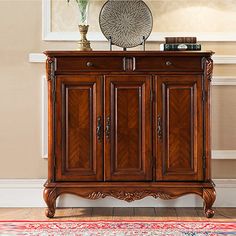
{"points": [[20, 94]]}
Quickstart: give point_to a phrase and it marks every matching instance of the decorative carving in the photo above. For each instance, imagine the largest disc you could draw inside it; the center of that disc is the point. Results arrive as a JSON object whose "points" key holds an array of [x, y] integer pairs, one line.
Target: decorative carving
{"points": [[50, 63], [209, 68], [96, 195], [50, 196], [129, 196], [209, 196]]}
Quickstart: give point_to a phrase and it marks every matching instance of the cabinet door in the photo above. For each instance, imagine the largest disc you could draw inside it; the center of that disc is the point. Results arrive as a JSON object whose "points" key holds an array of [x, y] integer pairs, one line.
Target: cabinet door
{"points": [[179, 128], [78, 116], [128, 128]]}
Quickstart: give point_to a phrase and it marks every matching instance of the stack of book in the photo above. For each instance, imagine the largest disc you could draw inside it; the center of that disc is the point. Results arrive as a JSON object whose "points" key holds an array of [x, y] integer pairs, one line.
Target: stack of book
{"points": [[180, 43]]}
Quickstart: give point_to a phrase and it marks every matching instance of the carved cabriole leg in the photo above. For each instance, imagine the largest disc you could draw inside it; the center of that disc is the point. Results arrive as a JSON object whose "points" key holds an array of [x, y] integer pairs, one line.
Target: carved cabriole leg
{"points": [[50, 196], [209, 197]]}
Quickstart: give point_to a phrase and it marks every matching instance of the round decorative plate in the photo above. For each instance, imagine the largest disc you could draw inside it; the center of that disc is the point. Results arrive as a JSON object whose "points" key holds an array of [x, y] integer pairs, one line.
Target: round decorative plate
{"points": [[125, 22]]}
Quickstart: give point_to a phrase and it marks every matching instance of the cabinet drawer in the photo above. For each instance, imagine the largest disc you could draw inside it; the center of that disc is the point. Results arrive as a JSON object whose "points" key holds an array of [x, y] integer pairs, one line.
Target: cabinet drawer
{"points": [[77, 64], [168, 64]]}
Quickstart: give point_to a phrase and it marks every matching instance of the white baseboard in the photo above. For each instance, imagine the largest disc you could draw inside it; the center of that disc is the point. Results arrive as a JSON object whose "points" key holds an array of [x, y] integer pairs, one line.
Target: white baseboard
{"points": [[29, 193]]}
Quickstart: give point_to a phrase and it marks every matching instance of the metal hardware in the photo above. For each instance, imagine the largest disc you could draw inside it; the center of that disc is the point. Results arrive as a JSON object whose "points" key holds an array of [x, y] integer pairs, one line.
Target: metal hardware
{"points": [[108, 127], [144, 43], [134, 63], [99, 129], [159, 127], [110, 43], [89, 64], [129, 63], [168, 63], [124, 63]]}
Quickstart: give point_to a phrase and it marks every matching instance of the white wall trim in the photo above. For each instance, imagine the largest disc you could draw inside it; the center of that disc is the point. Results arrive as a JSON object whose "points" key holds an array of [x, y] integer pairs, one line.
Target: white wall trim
{"points": [[37, 58], [224, 80], [48, 35], [224, 59], [29, 193], [224, 154]]}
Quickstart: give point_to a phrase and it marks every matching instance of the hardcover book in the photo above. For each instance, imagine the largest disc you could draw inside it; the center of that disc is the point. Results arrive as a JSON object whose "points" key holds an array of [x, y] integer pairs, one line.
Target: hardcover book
{"points": [[181, 39], [179, 47]]}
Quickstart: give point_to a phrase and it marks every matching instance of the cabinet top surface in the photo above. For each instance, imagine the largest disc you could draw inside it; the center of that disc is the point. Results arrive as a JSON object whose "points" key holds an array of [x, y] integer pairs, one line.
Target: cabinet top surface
{"points": [[128, 53]]}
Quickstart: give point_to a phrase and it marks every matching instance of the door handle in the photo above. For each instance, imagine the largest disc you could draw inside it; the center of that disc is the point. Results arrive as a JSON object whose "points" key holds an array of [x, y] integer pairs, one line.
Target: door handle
{"points": [[99, 129], [159, 127], [108, 127]]}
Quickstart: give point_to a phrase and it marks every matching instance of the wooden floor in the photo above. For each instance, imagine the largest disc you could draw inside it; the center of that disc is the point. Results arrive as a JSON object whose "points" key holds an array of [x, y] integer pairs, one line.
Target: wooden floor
{"points": [[225, 214]]}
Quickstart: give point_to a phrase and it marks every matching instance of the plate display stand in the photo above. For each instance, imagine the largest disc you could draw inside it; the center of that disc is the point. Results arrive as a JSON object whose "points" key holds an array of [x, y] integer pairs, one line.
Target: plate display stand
{"points": [[126, 24], [143, 43]]}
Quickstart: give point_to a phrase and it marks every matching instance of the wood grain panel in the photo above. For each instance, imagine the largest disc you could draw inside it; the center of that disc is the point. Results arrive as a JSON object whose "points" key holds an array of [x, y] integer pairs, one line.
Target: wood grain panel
{"points": [[79, 123], [179, 129], [128, 149], [180, 148], [79, 154], [128, 125]]}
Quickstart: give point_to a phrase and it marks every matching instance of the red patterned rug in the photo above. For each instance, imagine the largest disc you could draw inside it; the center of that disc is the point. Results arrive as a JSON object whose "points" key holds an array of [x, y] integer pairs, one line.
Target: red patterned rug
{"points": [[117, 228]]}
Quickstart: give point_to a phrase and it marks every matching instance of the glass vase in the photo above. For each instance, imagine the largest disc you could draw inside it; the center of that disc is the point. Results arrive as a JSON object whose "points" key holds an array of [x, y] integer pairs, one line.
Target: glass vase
{"points": [[83, 7]]}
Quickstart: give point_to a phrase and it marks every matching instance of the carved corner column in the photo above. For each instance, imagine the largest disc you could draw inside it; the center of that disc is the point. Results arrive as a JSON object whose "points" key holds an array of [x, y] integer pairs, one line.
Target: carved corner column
{"points": [[208, 64], [209, 197], [50, 196]]}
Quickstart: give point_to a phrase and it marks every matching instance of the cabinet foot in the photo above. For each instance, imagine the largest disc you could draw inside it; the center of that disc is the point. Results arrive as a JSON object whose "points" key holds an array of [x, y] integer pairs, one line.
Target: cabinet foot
{"points": [[49, 212], [50, 196], [209, 196]]}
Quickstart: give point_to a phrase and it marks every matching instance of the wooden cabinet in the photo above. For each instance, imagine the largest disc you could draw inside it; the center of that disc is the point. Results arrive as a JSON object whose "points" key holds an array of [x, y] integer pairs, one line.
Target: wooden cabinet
{"points": [[128, 152], [129, 125], [78, 151], [179, 127]]}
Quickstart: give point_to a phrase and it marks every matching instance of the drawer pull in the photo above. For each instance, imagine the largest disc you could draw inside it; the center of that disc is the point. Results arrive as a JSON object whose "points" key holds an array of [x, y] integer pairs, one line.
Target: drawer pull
{"points": [[89, 64], [168, 63], [99, 129], [108, 127], [159, 127]]}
